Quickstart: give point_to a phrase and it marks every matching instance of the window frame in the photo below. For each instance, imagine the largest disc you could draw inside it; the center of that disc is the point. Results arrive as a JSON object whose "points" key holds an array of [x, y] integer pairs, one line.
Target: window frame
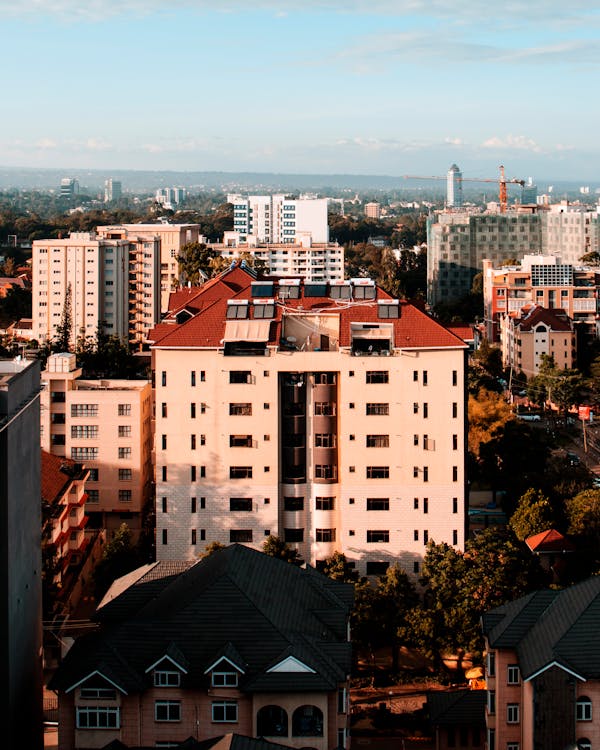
{"points": [[172, 709]]}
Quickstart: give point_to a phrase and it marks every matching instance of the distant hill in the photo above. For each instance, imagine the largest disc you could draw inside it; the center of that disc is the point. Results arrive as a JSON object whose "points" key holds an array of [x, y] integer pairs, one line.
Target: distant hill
{"points": [[137, 181]]}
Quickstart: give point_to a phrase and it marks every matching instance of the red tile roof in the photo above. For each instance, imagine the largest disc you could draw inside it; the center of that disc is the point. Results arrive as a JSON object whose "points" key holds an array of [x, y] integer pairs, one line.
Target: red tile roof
{"points": [[208, 304], [549, 541], [54, 482], [557, 320]]}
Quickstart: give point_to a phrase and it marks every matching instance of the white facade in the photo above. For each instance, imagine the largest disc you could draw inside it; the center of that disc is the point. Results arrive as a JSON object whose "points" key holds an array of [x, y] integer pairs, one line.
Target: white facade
{"points": [[277, 219], [454, 190], [314, 262]]}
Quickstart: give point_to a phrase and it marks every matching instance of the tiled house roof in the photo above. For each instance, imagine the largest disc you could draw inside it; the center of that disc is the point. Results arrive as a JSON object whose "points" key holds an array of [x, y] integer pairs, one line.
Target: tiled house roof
{"points": [[551, 627], [219, 605], [203, 324]]}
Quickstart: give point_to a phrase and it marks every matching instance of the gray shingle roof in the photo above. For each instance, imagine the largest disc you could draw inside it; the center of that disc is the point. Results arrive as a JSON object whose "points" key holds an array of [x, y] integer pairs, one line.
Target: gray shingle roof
{"points": [[236, 598], [551, 626], [457, 707]]}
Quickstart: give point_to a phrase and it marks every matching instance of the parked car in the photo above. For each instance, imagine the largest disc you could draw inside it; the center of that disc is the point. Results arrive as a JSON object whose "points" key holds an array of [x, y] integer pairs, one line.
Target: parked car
{"points": [[573, 458], [530, 417]]}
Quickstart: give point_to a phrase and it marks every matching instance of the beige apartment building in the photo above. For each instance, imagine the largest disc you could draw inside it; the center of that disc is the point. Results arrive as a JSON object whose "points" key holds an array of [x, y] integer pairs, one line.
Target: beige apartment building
{"points": [[109, 282], [171, 238], [106, 425], [331, 416]]}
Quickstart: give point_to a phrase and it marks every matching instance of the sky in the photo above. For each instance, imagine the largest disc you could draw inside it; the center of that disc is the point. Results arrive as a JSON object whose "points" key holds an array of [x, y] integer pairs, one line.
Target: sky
{"points": [[374, 87]]}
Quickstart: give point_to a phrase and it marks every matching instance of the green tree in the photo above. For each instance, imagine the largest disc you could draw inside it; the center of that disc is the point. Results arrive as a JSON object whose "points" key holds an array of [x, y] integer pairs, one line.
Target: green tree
{"points": [[193, 262], [64, 330], [534, 514], [583, 514], [118, 558], [395, 596], [276, 547], [338, 568]]}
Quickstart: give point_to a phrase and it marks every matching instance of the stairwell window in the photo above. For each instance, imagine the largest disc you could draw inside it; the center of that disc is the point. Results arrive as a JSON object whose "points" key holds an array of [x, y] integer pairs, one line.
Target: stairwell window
{"points": [[512, 713]]}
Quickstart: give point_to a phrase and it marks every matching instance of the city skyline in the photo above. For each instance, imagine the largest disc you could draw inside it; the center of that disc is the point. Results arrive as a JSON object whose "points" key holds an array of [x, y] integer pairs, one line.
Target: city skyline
{"points": [[382, 88]]}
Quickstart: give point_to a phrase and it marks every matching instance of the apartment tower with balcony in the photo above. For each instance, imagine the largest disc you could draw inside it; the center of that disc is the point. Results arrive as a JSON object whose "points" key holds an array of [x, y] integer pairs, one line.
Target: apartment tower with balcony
{"points": [[330, 415]]}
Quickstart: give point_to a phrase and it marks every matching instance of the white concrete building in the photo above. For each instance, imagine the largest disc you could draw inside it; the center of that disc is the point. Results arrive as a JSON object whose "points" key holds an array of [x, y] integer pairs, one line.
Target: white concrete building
{"points": [[330, 415], [277, 219], [312, 261]]}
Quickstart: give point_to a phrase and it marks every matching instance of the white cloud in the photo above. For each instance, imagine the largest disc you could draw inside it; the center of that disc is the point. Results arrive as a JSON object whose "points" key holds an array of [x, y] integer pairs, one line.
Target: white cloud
{"points": [[454, 141], [45, 144], [512, 142]]}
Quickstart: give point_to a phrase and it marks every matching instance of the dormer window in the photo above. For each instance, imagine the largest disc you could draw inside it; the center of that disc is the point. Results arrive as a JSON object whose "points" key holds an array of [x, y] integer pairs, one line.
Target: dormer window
{"points": [[167, 678], [264, 308], [389, 308], [224, 679], [364, 289], [237, 309], [289, 288]]}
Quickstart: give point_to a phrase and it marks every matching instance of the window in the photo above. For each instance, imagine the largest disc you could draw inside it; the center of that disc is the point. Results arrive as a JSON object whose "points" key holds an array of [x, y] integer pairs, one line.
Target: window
{"points": [[94, 474], [240, 503], [84, 410], [425, 377], [376, 568], [388, 309], [512, 713], [378, 472], [455, 505], [415, 376], [324, 409], [193, 378], [293, 503], [378, 409], [454, 377], [98, 717], [163, 378], [124, 410], [163, 410], [491, 701], [240, 535], [240, 410], [491, 664], [104, 693], [512, 674], [124, 430], [455, 536], [378, 503], [454, 442], [293, 535], [583, 709], [425, 410], [166, 678], [240, 376], [375, 536], [240, 472], [225, 711], [224, 679], [84, 454], [192, 473], [584, 744], [324, 471], [378, 441], [125, 496], [193, 411], [124, 452], [167, 711], [325, 535], [264, 309], [425, 536], [425, 505], [192, 442], [378, 376], [163, 442], [240, 441], [455, 473], [454, 410], [324, 440], [84, 431], [237, 310], [324, 503]]}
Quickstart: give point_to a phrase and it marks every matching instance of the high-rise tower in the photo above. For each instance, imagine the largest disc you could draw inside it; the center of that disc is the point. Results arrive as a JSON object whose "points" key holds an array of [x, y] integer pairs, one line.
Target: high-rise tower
{"points": [[454, 198]]}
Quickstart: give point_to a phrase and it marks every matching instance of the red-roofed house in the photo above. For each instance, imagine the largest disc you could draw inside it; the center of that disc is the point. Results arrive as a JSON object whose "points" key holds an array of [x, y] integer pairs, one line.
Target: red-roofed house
{"points": [[551, 547], [328, 414], [535, 331]]}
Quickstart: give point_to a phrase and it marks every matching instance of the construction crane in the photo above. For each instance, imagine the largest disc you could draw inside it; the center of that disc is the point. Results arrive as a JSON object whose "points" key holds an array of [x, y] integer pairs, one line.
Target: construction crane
{"points": [[501, 181]]}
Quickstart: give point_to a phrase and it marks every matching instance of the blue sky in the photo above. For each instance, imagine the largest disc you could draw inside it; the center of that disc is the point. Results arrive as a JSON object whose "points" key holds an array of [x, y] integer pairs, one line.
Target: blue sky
{"points": [[358, 87]]}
